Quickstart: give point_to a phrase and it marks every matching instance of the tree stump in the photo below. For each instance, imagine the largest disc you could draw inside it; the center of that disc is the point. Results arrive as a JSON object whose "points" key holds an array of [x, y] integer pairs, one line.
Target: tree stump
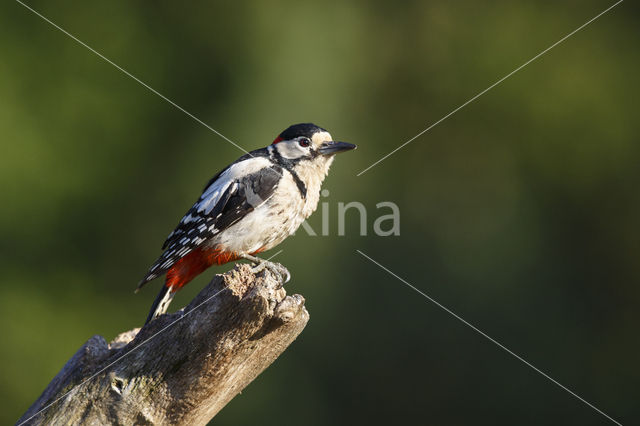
{"points": [[183, 367]]}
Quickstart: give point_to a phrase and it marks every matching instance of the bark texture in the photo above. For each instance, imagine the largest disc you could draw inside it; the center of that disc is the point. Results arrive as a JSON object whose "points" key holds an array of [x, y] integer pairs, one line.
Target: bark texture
{"points": [[183, 367]]}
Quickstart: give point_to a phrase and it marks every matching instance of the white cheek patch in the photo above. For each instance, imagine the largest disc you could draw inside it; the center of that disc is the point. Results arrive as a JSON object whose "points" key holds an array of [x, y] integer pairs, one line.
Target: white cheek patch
{"points": [[291, 150]]}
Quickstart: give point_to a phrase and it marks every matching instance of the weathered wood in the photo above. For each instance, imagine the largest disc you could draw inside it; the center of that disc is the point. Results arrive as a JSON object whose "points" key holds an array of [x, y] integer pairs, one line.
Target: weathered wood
{"points": [[180, 372]]}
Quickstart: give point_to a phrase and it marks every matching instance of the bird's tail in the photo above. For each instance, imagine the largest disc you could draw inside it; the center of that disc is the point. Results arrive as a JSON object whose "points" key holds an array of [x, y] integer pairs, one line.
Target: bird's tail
{"points": [[161, 303], [180, 273]]}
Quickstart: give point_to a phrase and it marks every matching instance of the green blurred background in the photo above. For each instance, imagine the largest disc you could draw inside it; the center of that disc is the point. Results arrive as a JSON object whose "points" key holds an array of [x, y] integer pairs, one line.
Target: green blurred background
{"points": [[520, 212]]}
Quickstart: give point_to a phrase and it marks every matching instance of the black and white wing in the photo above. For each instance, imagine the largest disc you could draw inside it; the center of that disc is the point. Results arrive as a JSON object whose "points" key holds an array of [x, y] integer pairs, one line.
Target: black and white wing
{"points": [[231, 195]]}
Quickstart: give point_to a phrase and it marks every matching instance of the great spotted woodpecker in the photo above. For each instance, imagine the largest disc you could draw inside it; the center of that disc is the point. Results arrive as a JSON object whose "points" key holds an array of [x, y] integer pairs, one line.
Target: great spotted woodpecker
{"points": [[249, 207]]}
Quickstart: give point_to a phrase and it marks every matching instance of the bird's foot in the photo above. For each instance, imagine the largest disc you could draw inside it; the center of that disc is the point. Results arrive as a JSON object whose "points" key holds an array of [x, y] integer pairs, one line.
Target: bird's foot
{"points": [[274, 268]]}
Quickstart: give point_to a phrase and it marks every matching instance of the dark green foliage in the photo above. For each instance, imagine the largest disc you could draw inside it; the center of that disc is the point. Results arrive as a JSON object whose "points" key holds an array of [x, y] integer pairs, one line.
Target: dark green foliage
{"points": [[520, 212]]}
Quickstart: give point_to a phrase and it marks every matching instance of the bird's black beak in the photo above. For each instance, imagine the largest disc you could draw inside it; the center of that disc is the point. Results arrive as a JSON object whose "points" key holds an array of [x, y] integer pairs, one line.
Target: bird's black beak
{"points": [[333, 147]]}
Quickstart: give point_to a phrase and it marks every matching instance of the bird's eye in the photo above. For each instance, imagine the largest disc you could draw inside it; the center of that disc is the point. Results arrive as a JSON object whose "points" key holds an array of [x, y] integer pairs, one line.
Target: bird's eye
{"points": [[304, 142]]}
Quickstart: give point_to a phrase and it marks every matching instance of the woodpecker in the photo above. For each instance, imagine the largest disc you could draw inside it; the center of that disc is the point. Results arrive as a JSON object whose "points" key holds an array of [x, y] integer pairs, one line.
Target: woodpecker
{"points": [[249, 207]]}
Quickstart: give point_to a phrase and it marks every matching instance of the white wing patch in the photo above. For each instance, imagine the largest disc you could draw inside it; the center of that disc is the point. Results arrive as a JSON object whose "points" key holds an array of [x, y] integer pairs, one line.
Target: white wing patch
{"points": [[212, 194], [209, 200]]}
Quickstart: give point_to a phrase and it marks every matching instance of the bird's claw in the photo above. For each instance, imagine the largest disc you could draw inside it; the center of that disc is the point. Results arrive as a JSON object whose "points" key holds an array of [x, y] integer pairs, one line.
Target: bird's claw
{"points": [[274, 268]]}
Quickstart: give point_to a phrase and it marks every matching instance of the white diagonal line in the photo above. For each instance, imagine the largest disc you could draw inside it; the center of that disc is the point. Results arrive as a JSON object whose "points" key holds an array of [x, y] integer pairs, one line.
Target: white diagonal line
{"points": [[271, 257], [491, 87], [134, 77], [491, 339]]}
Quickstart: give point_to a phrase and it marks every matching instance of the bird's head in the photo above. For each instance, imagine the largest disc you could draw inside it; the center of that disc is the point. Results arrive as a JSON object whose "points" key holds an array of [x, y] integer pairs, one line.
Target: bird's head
{"points": [[309, 146]]}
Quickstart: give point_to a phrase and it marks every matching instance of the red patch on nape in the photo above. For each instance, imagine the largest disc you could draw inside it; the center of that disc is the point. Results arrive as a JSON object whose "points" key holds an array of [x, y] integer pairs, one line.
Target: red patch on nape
{"points": [[276, 140], [193, 264]]}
